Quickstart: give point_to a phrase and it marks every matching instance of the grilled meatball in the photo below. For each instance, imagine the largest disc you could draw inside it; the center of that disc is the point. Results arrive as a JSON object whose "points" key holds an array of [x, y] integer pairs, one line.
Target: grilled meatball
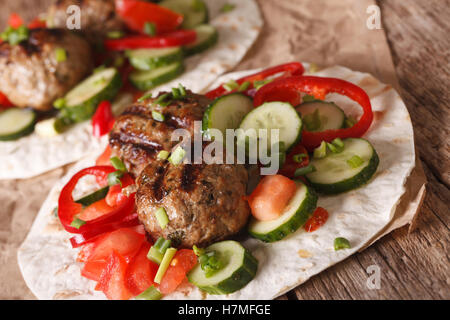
{"points": [[136, 137], [98, 17], [31, 76], [204, 203]]}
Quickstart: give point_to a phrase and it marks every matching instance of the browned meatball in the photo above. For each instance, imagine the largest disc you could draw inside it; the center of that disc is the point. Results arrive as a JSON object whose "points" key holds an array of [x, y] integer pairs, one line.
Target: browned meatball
{"points": [[98, 17], [31, 76], [204, 203], [136, 138]]}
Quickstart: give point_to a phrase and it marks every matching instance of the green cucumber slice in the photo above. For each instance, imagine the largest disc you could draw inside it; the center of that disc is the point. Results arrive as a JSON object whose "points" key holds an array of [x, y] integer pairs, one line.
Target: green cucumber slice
{"points": [[149, 59], [207, 37], [239, 269], [334, 174], [329, 114], [93, 197], [274, 115], [16, 123], [145, 80], [299, 209], [226, 112], [194, 12], [81, 101]]}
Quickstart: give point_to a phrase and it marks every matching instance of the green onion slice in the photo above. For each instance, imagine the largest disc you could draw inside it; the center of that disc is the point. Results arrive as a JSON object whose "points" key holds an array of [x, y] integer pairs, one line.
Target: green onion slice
{"points": [[341, 243], [60, 54], [114, 178], [163, 155], [150, 294], [299, 157], [149, 28], [156, 252], [168, 256], [177, 156], [77, 223], [161, 217], [158, 116], [355, 161], [118, 164], [305, 170], [321, 151], [231, 85]]}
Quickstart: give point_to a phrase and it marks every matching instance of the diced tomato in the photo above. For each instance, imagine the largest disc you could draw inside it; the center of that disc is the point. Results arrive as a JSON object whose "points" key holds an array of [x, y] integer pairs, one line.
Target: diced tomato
{"points": [[95, 210], [37, 23], [271, 196], [183, 261], [141, 271], [115, 197], [136, 13], [86, 252], [93, 269], [4, 101], [290, 166], [103, 159], [112, 279], [125, 242], [318, 219], [15, 20]]}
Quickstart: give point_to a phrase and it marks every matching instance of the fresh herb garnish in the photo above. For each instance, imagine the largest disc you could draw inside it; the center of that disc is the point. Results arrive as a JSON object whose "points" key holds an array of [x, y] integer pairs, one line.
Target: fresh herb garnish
{"points": [[15, 35]]}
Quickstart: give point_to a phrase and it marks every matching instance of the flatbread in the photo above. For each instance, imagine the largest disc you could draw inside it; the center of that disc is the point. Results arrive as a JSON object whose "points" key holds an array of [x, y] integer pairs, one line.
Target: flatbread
{"points": [[238, 30], [49, 267]]}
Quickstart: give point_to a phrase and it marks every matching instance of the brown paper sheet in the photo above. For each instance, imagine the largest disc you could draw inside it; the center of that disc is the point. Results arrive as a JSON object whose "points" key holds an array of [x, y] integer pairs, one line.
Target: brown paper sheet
{"points": [[320, 31]]}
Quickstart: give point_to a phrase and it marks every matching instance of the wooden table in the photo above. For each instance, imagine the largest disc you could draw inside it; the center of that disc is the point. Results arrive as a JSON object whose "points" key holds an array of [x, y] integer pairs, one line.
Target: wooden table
{"points": [[413, 266]]}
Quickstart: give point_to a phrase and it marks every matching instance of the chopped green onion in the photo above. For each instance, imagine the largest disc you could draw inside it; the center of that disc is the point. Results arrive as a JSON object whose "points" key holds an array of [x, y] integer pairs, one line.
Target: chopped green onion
{"points": [[305, 170], [350, 122], [118, 164], [227, 7], [338, 143], [312, 121], [182, 90], [299, 157], [15, 35], [321, 151], [115, 34], [334, 148], [114, 178], [163, 155], [258, 84], [149, 28], [198, 251], [145, 97], [161, 217], [231, 85], [176, 93], [161, 100], [150, 294], [59, 103], [60, 54], [158, 116], [308, 98], [177, 156], [77, 223], [341, 243], [244, 86], [168, 256], [355, 161], [156, 252]]}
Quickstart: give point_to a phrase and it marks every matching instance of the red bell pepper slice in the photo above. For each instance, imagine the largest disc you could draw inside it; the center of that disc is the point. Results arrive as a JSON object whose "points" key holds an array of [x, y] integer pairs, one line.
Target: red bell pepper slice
{"points": [[172, 39], [292, 68], [141, 271], [183, 261], [136, 13], [4, 101], [104, 158], [290, 165], [103, 119], [319, 87], [15, 20], [68, 209], [112, 279], [37, 23]]}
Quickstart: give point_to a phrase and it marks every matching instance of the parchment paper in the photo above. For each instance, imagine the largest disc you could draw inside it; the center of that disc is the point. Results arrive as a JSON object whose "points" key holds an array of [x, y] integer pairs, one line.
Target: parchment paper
{"points": [[320, 31]]}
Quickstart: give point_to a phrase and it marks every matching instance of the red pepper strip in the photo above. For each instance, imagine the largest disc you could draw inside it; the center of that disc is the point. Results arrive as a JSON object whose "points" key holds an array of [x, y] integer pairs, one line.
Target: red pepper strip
{"points": [[103, 119], [292, 68], [319, 87], [67, 208], [37, 23], [80, 239], [15, 20], [4, 101], [136, 13], [172, 39]]}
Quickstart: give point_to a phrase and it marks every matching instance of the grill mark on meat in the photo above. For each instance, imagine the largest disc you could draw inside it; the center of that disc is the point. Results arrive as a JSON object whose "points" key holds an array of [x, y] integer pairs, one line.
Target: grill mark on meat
{"points": [[157, 187], [146, 145], [189, 176]]}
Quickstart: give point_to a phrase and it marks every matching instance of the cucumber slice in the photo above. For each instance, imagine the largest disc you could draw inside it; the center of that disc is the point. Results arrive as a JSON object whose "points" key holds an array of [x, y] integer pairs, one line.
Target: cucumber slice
{"points": [[93, 197], [299, 209], [274, 115], [329, 114], [81, 101], [16, 123], [50, 127], [194, 12], [207, 37], [149, 59], [334, 174], [145, 80], [239, 269], [226, 112]]}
